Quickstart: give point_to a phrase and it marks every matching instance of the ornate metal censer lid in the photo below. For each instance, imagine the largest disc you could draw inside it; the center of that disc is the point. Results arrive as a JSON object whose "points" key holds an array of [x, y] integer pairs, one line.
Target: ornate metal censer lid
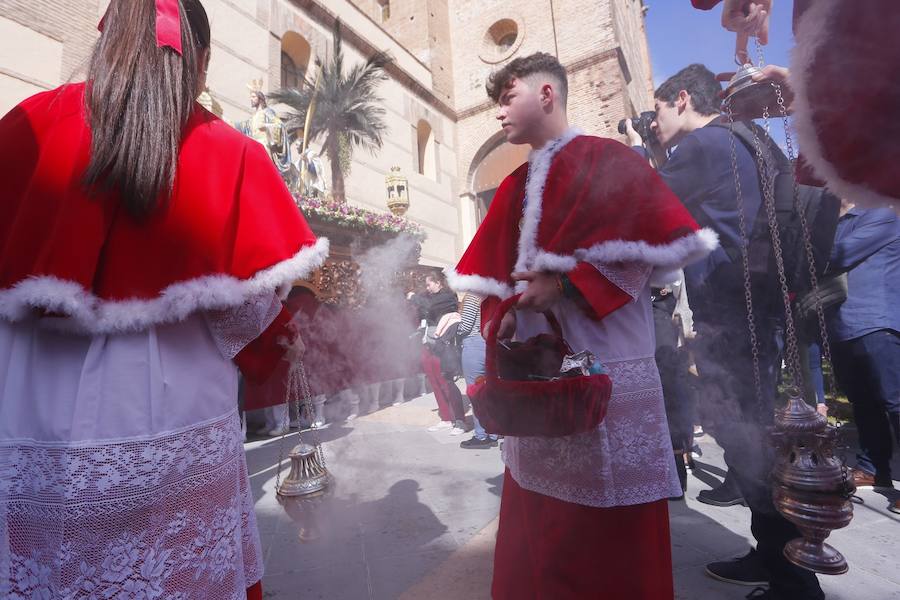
{"points": [[746, 98], [308, 475]]}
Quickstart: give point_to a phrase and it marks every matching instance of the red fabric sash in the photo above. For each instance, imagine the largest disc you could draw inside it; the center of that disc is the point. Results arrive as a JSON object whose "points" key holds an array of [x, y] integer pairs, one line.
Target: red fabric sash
{"points": [[168, 25]]}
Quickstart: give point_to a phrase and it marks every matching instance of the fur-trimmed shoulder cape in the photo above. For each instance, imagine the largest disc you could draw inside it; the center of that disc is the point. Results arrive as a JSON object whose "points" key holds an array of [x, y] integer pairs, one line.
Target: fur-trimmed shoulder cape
{"points": [[580, 199], [230, 230]]}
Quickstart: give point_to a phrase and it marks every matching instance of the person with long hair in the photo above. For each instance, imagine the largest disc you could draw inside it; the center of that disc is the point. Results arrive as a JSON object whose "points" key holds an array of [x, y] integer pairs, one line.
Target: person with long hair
{"points": [[432, 306], [143, 246]]}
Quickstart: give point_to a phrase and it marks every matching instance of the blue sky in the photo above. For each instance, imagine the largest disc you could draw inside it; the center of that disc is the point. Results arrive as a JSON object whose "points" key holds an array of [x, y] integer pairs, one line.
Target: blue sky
{"points": [[679, 35]]}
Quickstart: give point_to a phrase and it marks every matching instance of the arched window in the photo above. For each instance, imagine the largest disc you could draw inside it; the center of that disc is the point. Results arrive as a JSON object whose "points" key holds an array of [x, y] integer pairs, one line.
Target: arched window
{"points": [[295, 53], [425, 139]]}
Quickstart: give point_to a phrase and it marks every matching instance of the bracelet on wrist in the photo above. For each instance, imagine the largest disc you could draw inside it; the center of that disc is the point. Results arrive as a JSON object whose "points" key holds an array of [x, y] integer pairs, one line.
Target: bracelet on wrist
{"points": [[567, 288]]}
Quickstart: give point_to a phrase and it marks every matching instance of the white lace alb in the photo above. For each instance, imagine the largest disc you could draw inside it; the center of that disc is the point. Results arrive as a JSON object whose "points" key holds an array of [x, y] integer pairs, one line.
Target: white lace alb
{"points": [[626, 460], [167, 517]]}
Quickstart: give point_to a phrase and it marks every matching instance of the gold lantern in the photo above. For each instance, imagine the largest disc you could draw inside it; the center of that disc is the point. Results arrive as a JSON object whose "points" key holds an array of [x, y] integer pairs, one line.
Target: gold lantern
{"points": [[397, 192]]}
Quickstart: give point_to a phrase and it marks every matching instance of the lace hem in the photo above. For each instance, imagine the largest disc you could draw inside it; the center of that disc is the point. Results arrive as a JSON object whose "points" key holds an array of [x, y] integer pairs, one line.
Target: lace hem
{"points": [[166, 518], [626, 460]]}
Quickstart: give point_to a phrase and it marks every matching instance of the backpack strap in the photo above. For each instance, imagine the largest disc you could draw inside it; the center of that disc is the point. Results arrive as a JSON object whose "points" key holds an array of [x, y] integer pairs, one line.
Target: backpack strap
{"points": [[772, 156]]}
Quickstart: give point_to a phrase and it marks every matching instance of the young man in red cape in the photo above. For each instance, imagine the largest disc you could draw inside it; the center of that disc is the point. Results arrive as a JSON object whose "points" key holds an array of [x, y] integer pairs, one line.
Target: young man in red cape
{"points": [[580, 230]]}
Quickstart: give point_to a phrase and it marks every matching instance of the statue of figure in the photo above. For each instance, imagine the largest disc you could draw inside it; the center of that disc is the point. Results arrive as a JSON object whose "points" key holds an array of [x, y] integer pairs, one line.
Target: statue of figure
{"points": [[312, 180], [266, 128]]}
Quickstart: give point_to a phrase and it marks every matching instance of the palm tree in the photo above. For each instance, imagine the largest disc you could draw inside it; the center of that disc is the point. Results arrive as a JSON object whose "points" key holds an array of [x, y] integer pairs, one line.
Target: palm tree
{"points": [[348, 111]]}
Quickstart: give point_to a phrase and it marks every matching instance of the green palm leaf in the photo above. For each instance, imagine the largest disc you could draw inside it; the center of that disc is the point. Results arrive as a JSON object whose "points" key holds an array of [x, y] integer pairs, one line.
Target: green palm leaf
{"points": [[347, 106]]}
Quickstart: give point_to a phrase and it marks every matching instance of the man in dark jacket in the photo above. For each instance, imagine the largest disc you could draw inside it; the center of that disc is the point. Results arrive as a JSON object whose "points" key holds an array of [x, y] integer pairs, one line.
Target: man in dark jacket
{"points": [[699, 170]]}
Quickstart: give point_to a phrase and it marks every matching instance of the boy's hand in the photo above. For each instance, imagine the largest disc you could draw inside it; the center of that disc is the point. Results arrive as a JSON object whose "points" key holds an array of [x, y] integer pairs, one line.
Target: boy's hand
{"points": [[542, 292]]}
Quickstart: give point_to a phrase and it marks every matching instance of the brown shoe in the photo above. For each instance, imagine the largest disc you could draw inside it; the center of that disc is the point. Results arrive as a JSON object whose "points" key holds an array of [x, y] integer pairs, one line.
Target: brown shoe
{"points": [[894, 506], [864, 480]]}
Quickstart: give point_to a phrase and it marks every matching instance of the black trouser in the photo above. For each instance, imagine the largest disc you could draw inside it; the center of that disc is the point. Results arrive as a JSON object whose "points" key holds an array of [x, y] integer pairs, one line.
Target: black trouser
{"points": [[739, 421], [672, 363]]}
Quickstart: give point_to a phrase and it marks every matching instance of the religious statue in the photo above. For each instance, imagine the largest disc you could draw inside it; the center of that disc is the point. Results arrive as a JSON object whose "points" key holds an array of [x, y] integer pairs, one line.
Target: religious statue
{"points": [[266, 128], [312, 174]]}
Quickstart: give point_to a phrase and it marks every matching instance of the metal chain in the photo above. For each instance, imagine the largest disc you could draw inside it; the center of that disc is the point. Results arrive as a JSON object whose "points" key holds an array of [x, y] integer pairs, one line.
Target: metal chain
{"points": [[804, 224], [745, 259], [805, 230], [767, 180], [297, 388], [310, 411], [791, 344]]}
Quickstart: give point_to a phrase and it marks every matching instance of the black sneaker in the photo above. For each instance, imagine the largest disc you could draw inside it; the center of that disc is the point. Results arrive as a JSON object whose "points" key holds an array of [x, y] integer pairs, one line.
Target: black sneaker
{"points": [[474, 443], [746, 570], [724, 495]]}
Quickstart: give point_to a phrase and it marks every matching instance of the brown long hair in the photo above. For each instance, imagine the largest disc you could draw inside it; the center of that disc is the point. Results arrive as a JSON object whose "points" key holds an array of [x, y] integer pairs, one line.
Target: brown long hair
{"points": [[139, 98]]}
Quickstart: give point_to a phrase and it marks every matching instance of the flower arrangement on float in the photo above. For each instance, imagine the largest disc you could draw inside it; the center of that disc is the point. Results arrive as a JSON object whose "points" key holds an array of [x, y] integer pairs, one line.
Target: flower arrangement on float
{"points": [[341, 213]]}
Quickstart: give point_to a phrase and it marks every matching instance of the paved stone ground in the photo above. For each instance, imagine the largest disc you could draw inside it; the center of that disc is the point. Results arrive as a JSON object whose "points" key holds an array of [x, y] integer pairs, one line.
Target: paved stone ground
{"points": [[412, 516]]}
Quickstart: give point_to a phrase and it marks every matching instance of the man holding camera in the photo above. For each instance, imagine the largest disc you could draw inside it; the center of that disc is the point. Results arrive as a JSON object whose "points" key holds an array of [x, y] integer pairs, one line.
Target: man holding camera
{"points": [[700, 169]]}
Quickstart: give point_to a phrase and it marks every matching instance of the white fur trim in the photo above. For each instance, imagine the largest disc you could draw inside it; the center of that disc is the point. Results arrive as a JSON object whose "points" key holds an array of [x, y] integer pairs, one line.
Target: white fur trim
{"points": [[483, 286], [812, 32], [539, 162], [93, 315], [555, 263], [673, 255]]}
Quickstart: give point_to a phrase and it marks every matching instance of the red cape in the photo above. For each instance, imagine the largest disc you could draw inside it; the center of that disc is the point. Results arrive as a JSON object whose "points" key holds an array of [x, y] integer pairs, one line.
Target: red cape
{"points": [[230, 230], [589, 200]]}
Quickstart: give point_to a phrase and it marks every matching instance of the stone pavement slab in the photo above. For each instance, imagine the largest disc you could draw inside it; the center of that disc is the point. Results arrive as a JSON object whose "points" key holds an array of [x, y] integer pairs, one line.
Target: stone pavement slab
{"points": [[412, 516]]}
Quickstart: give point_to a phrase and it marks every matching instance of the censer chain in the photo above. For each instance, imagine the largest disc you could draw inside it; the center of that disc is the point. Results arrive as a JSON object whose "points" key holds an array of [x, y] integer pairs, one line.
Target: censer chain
{"points": [[745, 259], [298, 387]]}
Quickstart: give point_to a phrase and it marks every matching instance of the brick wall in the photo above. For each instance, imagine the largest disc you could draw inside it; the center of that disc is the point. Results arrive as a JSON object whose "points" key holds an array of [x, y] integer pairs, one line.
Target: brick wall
{"points": [[444, 45], [598, 45], [72, 23]]}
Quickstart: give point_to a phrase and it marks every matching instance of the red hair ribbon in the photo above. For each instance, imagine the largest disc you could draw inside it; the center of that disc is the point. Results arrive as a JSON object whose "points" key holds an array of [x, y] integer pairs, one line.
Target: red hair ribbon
{"points": [[168, 25]]}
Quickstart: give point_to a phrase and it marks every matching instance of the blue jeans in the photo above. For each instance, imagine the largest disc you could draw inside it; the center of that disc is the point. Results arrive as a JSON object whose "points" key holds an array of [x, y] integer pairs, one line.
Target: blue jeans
{"points": [[473, 349], [817, 378], [868, 370]]}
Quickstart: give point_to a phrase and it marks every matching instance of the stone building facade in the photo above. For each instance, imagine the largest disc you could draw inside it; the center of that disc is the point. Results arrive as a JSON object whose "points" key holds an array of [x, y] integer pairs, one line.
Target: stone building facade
{"points": [[442, 128]]}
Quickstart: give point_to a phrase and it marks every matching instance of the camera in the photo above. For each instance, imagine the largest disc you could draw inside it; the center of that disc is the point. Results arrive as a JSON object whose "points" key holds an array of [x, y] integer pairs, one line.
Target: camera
{"points": [[641, 124]]}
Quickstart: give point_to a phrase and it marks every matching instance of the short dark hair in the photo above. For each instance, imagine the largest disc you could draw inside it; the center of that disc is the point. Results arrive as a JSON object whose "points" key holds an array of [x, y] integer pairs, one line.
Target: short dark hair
{"points": [[699, 82], [539, 62]]}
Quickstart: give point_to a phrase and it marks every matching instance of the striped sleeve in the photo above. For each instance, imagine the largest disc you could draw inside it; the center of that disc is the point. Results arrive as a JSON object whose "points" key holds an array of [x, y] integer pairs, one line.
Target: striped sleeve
{"points": [[471, 316]]}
